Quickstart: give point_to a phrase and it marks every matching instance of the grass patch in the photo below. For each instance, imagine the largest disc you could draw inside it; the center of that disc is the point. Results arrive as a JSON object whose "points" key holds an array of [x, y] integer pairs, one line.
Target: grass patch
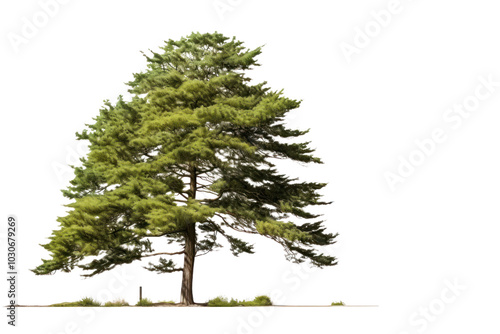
{"points": [[166, 302], [224, 302], [144, 302], [84, 302], [116, 303], [65, 304], [340, 303]]}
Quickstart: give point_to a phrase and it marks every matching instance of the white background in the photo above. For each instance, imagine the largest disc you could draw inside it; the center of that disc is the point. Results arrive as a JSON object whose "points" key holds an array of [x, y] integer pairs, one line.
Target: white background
{"points": [[396, 249]]}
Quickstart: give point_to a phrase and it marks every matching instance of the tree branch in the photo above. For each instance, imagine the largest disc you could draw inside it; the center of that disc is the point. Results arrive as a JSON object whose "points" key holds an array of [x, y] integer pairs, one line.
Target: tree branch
{"points": [[163, 234], [213, 199], [164, 253]]}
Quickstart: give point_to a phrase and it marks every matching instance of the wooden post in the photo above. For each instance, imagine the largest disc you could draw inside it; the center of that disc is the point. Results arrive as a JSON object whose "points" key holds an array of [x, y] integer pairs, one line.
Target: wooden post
{"points": [[140, 293]]}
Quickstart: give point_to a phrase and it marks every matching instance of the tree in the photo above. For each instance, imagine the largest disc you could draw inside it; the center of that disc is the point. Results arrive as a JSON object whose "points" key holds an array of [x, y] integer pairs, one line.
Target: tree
{"points": [[189, 158]]}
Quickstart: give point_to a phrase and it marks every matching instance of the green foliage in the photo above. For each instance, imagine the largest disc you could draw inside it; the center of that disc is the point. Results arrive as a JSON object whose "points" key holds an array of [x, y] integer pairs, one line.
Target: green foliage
{"points": [[170, 302], [116, 303], [224, 302], [84, 302], [340, 303], [144, 302], [194, 145], [87, 301], [165, 266], [263, 301]]}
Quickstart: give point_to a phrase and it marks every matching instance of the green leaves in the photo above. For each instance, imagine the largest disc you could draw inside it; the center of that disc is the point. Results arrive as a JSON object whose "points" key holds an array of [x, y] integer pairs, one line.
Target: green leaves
{"points": [[283, 230], [194, 145], [165, 266]]}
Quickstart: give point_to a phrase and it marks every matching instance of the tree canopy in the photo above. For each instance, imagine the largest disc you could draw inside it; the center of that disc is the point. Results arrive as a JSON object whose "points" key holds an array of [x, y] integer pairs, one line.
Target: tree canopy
{"points": [[189, 158]]}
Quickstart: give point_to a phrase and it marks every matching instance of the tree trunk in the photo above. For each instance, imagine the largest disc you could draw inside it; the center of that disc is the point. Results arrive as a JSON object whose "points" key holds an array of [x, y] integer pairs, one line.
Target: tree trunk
{"points": [[187, 273], [189, 250]]}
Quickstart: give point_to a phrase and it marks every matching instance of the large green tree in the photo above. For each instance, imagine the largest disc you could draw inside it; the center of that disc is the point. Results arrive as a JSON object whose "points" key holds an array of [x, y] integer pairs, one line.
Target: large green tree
{"points": [[189, 158]]}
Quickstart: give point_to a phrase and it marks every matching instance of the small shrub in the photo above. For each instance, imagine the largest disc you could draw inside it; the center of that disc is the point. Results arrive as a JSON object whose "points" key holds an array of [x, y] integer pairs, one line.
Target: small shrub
{"points": [[218, 301], [224, 302], [116, 303], [144, 302], [88, 302], [262, 301], [340, 303], [85, 302]]}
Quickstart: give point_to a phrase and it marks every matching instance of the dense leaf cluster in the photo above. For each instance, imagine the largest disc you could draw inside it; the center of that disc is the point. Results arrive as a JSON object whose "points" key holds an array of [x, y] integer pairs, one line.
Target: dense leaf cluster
{"points": [[194, 145]]}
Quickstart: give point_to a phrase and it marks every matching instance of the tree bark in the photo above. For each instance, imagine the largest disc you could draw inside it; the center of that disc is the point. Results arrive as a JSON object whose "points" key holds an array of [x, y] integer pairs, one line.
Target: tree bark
{"points": [[187, 272], [189, 250]]}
